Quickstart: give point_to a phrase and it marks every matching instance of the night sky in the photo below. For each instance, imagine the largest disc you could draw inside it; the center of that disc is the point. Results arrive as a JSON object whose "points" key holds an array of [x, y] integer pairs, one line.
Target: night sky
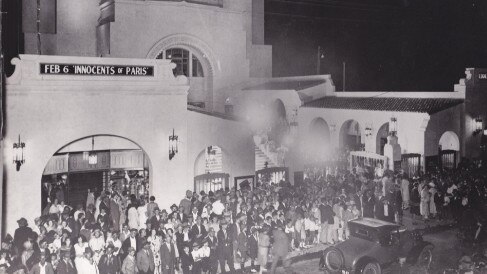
{"points": [[405, 45], [386, 44]]}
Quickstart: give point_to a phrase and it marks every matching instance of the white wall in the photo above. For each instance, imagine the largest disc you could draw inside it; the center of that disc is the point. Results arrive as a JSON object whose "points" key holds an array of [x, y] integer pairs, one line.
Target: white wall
{"points": [[234, 138], [52, 111]]}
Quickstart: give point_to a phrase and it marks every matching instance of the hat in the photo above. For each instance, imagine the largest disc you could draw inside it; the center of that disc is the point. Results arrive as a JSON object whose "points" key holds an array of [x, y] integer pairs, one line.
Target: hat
{"points": [[174, 205], [22, 221], [189, 192], [156, 208], [196, 244], [133, 229]]}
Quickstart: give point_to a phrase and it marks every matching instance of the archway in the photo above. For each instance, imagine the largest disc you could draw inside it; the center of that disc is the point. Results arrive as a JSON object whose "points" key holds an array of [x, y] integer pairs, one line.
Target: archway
{"points": [[351, 136], [449, 141], [381, 139], [209, 170], [195, 60], [98, 163], [318, 144], [279, 126]]}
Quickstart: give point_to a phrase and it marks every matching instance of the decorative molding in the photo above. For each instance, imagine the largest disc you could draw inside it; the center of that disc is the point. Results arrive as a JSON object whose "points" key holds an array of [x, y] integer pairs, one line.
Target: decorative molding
{"points": [[196, 45]]}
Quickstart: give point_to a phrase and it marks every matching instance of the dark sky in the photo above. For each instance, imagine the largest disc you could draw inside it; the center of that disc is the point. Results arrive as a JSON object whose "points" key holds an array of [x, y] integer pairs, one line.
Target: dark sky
{"points": [[386, 44]]}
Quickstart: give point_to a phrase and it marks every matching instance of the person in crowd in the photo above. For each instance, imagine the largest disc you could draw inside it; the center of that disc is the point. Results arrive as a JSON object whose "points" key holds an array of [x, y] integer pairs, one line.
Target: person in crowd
{"points": [[109, 263], [187, 260], [86, 264], [168, 255], [21, 235], [145, 259], [151, 206], [133, 217], [280, 249], [65, 265], [43, 266], [242, 247], [253, 246], [155, 241], [129, 265], [263, 251], [425, 200], [142, 214], [212, 244], [132, 241], [225, 247]]}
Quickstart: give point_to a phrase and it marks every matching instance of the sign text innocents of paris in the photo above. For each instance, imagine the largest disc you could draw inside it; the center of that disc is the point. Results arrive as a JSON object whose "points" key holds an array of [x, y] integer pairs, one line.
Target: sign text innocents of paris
{"points": [[102, 70]]}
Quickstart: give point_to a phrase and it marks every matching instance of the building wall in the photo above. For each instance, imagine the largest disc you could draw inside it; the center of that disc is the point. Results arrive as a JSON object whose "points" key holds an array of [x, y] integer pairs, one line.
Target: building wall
{"points": [[439, 123], [51, 111], [411, 127], [233, 137]]}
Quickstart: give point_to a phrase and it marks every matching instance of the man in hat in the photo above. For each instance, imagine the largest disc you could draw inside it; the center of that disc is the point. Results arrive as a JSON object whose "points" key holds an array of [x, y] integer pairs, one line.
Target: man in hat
{"points": [[225, 247], [21, 234], [168, 256], [145, 259], [109, 263], [174, 211], [212, 241], [65, 265], [115, 213]]}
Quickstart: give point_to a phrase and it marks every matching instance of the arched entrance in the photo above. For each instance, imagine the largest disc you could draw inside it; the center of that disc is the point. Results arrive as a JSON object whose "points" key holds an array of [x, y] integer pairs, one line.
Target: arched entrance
{"points": [[279, 126], [195, 60], [99, 163], [448, 148], [209, 170], [318, 144], [381, 139], [351, 136]]}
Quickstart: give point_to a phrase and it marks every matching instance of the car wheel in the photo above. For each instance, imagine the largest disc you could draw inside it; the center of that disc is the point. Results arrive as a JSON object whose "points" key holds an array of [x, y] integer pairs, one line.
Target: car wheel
{"points": [[425, 257], [334, 260], [371, 268]]}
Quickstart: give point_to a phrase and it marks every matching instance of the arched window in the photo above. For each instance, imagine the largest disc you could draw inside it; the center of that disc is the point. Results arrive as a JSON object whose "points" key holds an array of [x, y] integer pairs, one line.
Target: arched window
{"points": [[187, 63]]}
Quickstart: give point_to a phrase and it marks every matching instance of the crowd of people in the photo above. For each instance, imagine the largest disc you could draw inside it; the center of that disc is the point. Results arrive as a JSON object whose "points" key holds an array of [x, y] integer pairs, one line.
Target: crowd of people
{"points": [[231, 229]]}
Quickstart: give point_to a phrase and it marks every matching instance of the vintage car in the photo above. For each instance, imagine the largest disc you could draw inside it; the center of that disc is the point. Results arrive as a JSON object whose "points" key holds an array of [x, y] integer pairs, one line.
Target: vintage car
{"points": [[372, 245]]}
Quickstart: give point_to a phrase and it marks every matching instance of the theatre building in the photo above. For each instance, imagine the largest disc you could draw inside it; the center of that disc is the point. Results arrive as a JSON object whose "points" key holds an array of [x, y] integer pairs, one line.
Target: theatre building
{"points": [[158, 97]]}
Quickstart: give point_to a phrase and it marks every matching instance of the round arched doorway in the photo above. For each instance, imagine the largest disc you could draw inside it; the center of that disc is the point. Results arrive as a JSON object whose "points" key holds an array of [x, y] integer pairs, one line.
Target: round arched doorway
{"points": [[209, 170], [448, 148], [351, 136], [95, 164], [381, 138], [318, 144]]}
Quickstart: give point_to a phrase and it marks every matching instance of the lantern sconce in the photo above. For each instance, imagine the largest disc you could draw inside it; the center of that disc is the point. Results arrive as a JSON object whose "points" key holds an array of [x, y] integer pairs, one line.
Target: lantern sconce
{"points": [[368, 131], [173, 145], [393, 126], [478, 126], [19, 154]]}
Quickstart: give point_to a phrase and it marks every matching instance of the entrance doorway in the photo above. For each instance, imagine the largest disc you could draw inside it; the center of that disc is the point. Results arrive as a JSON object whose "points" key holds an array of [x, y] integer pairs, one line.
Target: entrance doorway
{"points": [[98, 164]]}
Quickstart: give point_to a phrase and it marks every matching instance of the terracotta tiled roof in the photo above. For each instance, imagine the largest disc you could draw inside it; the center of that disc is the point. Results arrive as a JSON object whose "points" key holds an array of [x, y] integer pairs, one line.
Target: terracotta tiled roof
{"points": [[424, 105], [291, 84]]}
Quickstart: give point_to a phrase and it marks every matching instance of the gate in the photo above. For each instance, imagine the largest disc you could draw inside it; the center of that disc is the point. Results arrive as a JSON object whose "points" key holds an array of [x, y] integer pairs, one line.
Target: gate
{"points": [[211, 182], [411, 164], [273, 175], [448, 159]]}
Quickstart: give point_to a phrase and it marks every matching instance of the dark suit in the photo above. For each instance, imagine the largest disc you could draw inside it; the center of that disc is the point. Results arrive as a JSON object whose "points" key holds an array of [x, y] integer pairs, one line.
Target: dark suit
{"points": [[155, 221], [145, 261], [20, 236], [213, 244], [66, 267], [186, 262], [110, 265], [126, 245], [195, 230], [36, 269], [225, 249], [168, 258]]}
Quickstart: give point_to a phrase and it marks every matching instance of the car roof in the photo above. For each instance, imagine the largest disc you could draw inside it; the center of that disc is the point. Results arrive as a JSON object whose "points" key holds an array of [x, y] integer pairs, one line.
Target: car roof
{"points": [[375, 223]]}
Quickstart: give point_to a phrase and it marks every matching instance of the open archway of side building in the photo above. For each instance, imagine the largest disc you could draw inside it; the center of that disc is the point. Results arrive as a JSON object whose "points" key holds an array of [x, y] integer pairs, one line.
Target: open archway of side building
{"points": [[449, 141], [79, 172], [318, 144], [381, 139], [350, 136]]}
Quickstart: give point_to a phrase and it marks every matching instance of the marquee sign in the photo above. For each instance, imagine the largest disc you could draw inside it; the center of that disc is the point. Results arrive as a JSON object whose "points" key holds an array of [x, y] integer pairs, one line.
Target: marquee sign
{"points": [[91, 69]]}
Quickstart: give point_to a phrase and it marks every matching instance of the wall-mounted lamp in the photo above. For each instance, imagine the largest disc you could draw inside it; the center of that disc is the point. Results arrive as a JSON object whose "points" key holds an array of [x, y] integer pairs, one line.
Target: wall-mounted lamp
{"points": [[92, 157], [477, 126], [173, 145], [393, 126], [19, 154], [368, 131]]}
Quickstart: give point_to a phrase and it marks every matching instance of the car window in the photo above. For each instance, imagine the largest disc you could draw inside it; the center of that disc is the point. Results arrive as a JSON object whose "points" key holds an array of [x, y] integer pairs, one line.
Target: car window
{"points": [[362, 232]]}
